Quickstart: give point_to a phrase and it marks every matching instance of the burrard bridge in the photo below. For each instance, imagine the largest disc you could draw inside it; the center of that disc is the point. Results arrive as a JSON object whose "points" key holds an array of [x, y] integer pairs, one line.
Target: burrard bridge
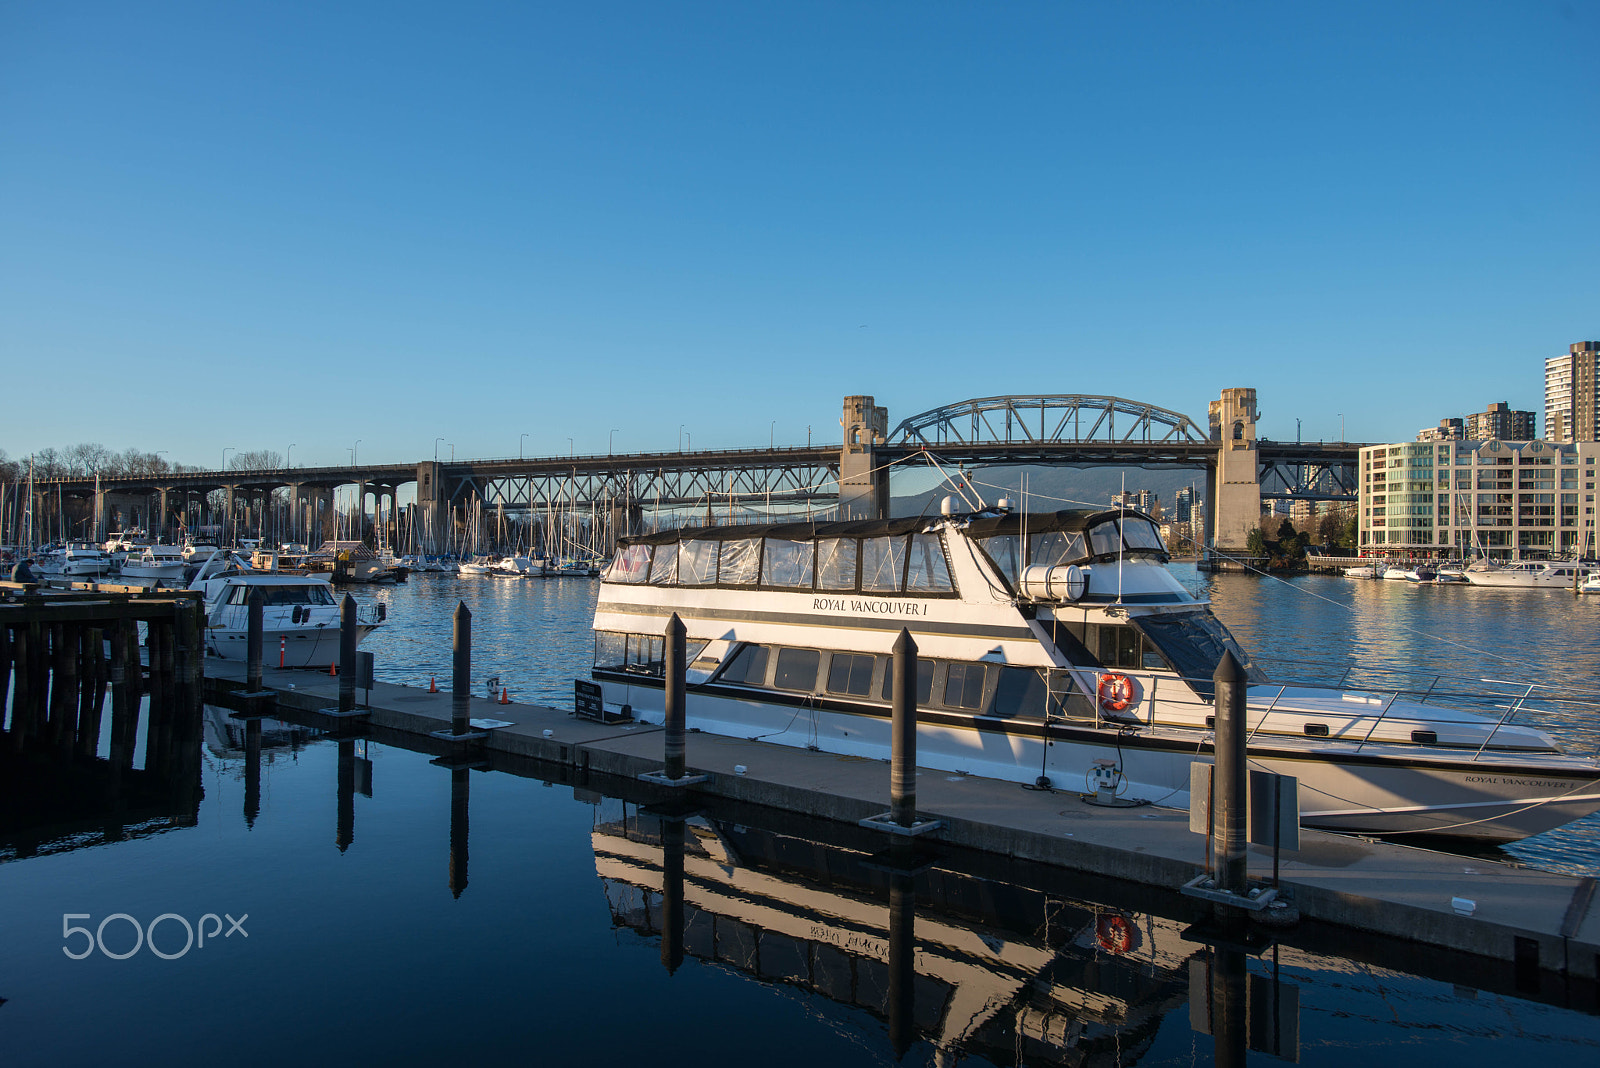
{"points": [[848, 479]]}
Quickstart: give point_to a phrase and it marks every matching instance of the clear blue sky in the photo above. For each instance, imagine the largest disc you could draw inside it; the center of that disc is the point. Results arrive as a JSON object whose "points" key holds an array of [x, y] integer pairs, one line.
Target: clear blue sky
{"points": [[249, 225]]}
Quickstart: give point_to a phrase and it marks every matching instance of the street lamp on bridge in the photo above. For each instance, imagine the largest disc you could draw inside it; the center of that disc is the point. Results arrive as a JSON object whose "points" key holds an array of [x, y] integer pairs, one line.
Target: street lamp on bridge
{"points": [[353, 454], [225, 452], [519, 445], [436, 449], [289, 457], [608, 441], [572, 450]]}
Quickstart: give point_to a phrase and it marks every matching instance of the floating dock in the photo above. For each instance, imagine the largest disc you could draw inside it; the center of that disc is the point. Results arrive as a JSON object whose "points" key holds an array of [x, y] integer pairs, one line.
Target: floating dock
{"points": [[1539, 923]]}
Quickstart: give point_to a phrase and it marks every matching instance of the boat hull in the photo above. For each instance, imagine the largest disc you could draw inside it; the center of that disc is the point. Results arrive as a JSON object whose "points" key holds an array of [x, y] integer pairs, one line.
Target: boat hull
{"points": [[314, 646], [1442, 794]]}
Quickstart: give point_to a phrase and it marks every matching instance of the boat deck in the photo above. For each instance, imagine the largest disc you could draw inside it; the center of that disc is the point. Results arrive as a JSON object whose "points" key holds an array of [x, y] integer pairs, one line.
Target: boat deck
{"points": [[1396, 891]]}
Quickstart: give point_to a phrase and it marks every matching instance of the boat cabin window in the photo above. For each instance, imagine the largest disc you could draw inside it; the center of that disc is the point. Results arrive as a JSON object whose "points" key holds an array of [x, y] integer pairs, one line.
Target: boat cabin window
{"points": [[796, 670], [836, 564], [927, 569], [788, 563], [924, 683], [902, 563], [1002, 549], [963, 685], [664, 568], [1056, 548], [851, 673], [741, 562], [639, 654], [697, 563], [1019, 692], [311, 593], [632, 565], [1141, 534], [748, 666], [883, 564], [1107, 645]]}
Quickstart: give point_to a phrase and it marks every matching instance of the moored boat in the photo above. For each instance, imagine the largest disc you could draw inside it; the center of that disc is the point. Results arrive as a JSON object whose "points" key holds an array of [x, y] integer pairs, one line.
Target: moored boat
{"points": [[300, 614], [1529, 574], [1050, 645]]}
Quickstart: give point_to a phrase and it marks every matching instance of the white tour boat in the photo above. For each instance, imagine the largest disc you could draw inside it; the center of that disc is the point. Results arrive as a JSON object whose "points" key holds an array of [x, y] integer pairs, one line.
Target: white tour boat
{"points": [[300, 615], [1063, 628]]}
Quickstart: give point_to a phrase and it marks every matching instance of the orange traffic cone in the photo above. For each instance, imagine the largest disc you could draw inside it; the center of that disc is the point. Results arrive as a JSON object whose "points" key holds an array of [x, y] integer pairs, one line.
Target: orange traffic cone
{"points": [[333, 668], [505, 696], [433, 686]]}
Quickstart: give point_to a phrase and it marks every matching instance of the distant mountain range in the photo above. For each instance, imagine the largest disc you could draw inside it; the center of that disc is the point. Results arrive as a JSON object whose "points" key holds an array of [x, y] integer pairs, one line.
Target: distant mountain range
{"points": [[1051, 488]]}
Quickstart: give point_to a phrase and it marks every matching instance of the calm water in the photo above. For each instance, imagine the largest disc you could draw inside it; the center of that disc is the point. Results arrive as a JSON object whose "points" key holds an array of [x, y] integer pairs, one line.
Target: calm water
{"points": [[399, 911]]}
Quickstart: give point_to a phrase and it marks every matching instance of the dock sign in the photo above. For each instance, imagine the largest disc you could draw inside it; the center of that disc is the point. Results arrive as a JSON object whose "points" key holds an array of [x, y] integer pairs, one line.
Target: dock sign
{"points": [[1273, 805], [587, 699]]}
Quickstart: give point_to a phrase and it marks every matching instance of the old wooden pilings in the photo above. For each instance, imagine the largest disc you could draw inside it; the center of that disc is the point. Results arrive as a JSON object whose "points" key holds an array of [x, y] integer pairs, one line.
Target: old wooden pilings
{"points": [[61, 653]]}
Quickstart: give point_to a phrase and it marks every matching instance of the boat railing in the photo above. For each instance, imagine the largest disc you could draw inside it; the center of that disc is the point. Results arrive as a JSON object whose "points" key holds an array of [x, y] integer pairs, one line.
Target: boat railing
{"points": [[1505, 717]]}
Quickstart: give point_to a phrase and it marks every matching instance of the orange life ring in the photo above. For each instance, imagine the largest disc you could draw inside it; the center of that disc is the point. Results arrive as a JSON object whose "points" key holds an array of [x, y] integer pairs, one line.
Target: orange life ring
{"points": [[1114, 933], [1115, 691]]}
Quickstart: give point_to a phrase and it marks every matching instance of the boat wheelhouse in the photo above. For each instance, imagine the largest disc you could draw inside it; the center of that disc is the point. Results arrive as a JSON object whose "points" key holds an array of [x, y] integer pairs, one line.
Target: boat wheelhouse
{"points": [[1052, 646]]}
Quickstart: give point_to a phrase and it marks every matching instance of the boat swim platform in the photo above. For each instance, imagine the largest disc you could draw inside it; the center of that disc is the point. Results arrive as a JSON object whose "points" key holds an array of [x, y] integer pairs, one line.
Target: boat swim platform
{"points": [[1404, 895]]}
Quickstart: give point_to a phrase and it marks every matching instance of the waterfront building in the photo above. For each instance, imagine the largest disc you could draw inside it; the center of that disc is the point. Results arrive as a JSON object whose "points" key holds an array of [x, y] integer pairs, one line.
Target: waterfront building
{"points": [[1508, 500], [1572, 394]]}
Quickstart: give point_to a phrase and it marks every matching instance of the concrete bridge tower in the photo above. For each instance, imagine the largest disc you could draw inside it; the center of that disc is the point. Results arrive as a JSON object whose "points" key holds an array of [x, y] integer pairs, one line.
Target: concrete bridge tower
{"points": [[863, 484], [1233, 487]]}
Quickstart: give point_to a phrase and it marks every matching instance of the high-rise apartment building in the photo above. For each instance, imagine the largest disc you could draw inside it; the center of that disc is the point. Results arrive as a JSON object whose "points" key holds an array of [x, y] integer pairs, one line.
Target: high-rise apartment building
{"points": [[1572, 394], [1499, 422], [1183, 505]]}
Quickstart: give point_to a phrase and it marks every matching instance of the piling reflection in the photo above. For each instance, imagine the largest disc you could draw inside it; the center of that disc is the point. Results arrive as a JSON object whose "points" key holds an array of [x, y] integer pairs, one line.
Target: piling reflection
{"points": [[967, 965], [57, 793]]}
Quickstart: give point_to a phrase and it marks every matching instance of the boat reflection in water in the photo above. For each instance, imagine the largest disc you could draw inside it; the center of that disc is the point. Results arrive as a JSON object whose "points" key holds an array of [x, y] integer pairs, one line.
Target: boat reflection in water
{"points": [[973, 966]]}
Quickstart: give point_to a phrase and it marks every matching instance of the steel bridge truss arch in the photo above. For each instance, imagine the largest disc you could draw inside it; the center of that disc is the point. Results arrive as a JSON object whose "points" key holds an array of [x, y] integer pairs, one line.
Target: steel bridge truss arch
{"points": [[788, 484], [1046, 419]]}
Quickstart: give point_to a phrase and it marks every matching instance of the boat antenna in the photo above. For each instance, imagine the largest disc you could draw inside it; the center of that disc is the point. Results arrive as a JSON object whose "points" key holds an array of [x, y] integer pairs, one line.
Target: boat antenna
{"points": [[1122, 510]]}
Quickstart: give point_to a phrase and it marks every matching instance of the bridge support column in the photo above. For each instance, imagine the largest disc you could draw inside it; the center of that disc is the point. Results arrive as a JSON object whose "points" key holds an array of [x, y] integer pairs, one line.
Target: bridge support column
{"points": [[1233, 487], [328, 515], [433, 507], [863, 483]]}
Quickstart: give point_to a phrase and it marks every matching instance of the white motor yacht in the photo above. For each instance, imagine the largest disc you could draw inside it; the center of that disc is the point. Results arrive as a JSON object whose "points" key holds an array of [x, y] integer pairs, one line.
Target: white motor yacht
{"points": [[1529, 574], [78, 560], [155, 562], [300, 614], [1051, 646]]}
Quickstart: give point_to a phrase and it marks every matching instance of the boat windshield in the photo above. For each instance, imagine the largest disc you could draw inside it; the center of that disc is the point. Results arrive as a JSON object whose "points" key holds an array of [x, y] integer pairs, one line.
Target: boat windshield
{"points": [[1055, 548], [1193, 644], [308, 593]]}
